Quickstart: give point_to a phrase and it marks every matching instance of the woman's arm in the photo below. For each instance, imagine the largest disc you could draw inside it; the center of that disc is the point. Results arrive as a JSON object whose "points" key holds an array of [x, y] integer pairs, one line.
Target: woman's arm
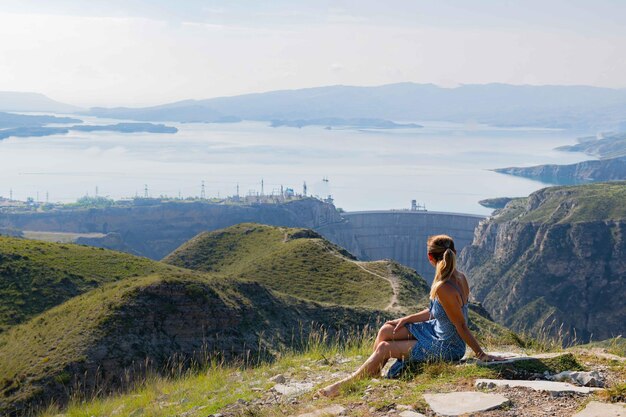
{"points": [[450, 300]]}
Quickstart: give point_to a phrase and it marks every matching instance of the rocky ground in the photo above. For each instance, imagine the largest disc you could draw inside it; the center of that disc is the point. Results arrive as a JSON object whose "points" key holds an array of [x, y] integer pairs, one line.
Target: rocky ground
{"points": [[293, 392]]}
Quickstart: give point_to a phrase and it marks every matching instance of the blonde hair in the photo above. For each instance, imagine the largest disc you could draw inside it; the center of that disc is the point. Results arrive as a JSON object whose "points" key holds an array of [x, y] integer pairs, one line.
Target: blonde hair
{"points": [[441, 247]]}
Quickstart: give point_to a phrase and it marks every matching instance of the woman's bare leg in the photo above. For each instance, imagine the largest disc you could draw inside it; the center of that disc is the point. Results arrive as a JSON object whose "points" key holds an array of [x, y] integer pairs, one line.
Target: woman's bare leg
{"points": [[374, 364], [386, 334]]}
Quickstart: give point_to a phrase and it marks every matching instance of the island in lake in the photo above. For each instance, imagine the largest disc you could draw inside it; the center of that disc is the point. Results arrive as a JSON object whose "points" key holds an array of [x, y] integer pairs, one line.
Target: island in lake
{"points": [[12, 120], [33, 126], [336, 122], [127, 128]]}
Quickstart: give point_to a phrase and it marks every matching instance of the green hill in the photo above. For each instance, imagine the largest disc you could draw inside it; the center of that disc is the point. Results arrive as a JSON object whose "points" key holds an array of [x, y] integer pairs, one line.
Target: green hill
{"points": [[301, 263], [569, 204], [35, 276], [106, 338]]}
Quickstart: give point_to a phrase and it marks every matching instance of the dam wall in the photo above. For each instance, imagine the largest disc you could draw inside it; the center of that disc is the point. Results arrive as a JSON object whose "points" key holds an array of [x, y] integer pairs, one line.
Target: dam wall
{"points": [[399, 235]]}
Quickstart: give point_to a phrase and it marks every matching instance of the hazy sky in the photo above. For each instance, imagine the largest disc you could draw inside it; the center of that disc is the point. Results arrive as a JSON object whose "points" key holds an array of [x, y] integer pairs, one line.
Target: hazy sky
{"points": [[142, 52]]}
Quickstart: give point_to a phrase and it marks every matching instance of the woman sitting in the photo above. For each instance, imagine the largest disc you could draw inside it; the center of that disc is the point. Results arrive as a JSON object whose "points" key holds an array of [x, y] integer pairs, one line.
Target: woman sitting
{"points": [[440, 332]]}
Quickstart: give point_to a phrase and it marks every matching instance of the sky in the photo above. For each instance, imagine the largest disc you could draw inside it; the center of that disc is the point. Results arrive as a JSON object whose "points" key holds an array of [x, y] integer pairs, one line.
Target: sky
{"points": [[148, 52]]}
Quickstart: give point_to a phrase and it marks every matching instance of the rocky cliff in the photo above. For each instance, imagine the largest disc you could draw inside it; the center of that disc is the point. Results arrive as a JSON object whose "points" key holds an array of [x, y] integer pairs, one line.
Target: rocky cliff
{"points": [[555, 260]]}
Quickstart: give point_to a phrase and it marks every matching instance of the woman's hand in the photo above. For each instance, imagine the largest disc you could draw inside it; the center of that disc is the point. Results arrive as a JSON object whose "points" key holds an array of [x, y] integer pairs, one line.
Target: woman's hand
{"points": [[397, 323]]}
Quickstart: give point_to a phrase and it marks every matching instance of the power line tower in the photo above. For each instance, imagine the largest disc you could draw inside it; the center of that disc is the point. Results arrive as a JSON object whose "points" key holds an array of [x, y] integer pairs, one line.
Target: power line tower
{"points": [[237, 190], [304, 188], [262, 185], [145, 191], [203, 192]]}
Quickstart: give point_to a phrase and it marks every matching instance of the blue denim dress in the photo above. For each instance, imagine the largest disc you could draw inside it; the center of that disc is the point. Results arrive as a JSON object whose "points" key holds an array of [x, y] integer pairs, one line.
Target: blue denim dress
{"points": [[437, 339]]}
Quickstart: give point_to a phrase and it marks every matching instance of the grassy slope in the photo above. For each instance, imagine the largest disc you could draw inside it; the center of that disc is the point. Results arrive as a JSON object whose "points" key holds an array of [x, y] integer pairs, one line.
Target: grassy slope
{"points": [[218, 388], [286, 260], [294, 261], [570, 204], [44, 356], [35, 276], [44, 346], [616, 345]]}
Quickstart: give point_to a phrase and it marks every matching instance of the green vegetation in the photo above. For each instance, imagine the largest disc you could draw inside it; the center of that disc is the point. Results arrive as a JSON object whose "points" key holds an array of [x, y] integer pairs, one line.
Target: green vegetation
{"points": [[615, 345], [569, 204], [92, 202], [218, 384], [298, 262], [35, 276], [41, 349], [526, 368], [73, 347]]}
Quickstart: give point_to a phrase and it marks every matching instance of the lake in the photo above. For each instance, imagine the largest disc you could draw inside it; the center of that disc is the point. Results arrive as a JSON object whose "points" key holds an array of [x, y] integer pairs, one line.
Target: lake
{"points": [[443, 165]]}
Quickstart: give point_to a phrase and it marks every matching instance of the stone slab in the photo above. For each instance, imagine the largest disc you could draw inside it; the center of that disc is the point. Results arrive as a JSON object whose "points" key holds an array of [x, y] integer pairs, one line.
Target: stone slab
{"points": [[598, 409], [293, 389], [333, 410], [459, 403], [551, 386], [513, 357], [585, 379]]}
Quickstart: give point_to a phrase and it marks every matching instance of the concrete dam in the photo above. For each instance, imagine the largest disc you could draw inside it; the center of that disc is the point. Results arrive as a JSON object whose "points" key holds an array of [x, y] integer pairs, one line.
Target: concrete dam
{"points": [[399, 235]]}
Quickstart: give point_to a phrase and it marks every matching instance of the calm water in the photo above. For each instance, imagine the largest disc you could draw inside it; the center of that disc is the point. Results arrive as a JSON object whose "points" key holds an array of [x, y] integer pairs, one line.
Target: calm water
{"points": [[443, 165]]}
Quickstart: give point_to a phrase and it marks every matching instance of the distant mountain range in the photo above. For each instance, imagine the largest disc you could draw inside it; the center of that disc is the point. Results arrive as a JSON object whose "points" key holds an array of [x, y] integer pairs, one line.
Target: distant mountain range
{"points": [[32, 102], [580, 108], [569, 107]]}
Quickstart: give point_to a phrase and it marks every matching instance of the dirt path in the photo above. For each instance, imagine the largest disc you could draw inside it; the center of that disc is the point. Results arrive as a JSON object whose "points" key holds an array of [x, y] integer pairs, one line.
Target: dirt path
{"points": [[391, 279]]}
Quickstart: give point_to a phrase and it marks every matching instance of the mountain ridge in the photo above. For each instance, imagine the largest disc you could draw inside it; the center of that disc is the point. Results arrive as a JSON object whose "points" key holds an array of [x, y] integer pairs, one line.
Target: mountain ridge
{"points": [[33, 102], [498, 104]]}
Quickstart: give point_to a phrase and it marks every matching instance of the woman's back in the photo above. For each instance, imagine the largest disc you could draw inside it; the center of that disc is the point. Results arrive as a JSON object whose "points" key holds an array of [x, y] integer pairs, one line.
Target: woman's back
{"points": [[443, 326]]}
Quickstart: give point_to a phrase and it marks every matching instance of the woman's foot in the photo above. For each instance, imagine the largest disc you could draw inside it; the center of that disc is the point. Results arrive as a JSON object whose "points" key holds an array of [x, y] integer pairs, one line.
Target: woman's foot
{"points": [[330, 391]]}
